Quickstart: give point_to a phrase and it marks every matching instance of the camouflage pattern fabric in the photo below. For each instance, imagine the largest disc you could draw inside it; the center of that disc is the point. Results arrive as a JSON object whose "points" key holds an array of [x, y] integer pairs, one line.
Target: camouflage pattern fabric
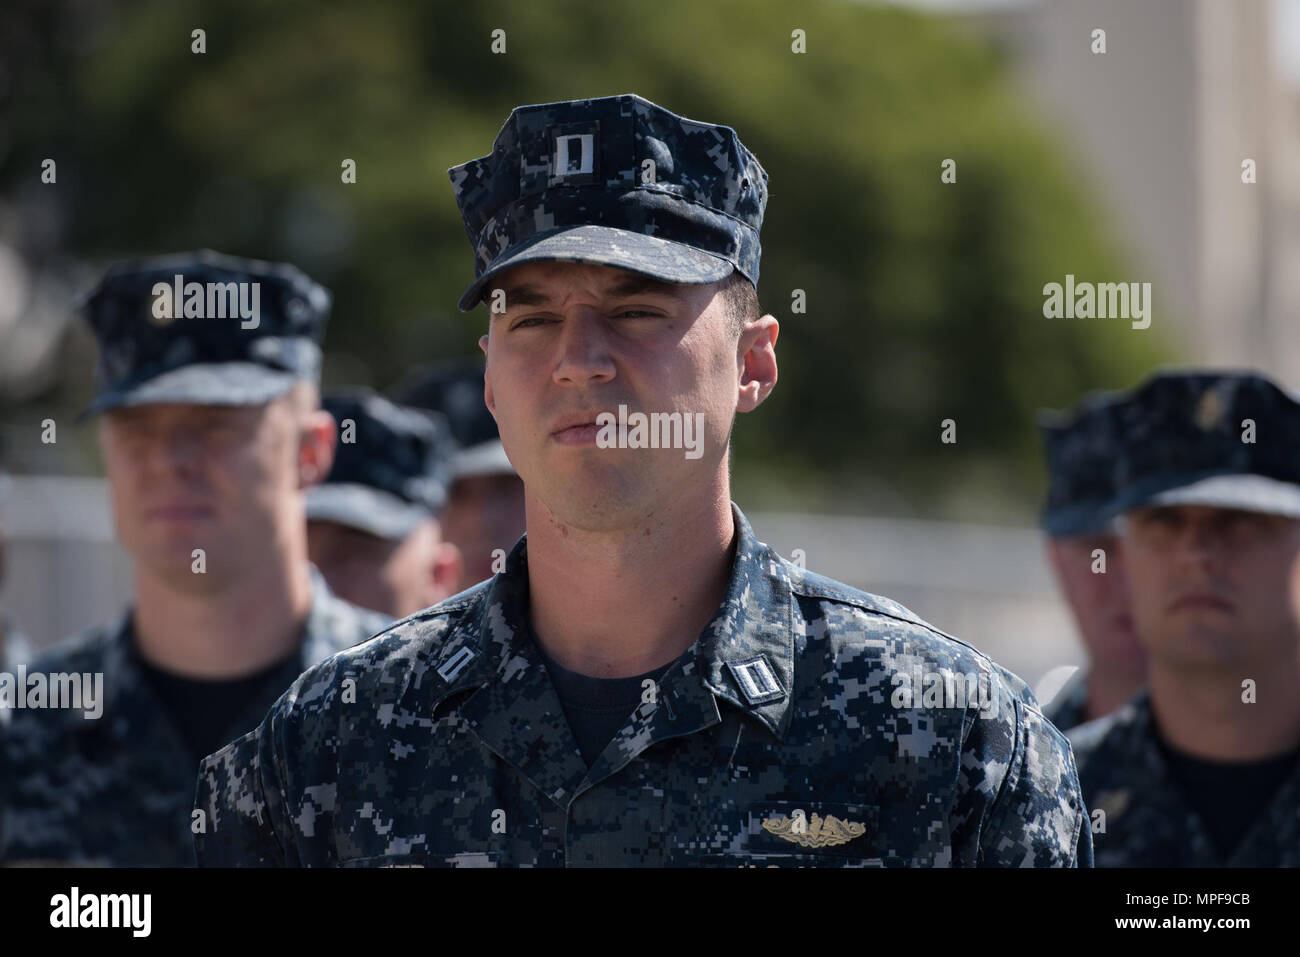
{"points": [[14, 650], [194, 356], [1148, 823], [774, 740], [1185, 441], [118, 790], [1081, 447], [392, 466], [615, 180], [455, 389]]}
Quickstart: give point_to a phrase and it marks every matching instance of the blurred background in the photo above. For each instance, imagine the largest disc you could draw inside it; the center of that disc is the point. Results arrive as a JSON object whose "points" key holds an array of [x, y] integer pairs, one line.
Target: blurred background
{"points": [[924, 300]]}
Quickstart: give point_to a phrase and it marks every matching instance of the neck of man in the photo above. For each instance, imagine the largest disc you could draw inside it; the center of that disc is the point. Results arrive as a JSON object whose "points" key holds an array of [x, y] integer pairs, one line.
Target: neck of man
{"points": [[1202, 713], [242, 625], [622, 603], [1108, 689]]}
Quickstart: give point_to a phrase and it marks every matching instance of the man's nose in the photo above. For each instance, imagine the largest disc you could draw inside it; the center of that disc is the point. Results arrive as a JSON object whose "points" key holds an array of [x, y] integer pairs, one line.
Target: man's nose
{"points": [[1201, 541], [584, 349], [176, 447]]}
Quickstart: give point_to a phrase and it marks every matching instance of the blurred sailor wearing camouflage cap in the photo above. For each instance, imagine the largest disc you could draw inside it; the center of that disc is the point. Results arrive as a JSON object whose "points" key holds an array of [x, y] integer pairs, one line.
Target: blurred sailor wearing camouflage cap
{"points": [[645, 682], [373, 526], [1087, 560], [209, 422], [1202, 769], [485, 507]]}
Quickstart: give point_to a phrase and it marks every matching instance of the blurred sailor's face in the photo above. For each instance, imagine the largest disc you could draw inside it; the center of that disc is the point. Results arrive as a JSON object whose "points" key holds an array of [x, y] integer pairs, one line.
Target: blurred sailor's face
{"points": [[576, 341], [224, 479], [1213, 586], [484, 517], [397, 576], [1098, 598]]}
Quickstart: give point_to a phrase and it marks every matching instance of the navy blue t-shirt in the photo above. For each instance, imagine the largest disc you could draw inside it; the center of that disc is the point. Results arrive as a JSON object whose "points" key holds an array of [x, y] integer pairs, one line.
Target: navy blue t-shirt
{"points": [[596, 708], [1228, 797], [205, 710]]}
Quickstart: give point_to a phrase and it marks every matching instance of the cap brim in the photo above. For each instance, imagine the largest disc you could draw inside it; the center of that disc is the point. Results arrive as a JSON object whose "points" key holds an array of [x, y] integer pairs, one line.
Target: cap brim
{"points": [[486, 458], [364, 508], [1091, 519], [605, 246], [1248, 493], [217, 383]]}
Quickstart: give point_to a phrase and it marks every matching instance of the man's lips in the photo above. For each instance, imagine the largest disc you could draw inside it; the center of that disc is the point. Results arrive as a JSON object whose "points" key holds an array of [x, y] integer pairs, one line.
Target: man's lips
{"points": [[577, 434], [1201, 601], [579, 428], [178, 513]]}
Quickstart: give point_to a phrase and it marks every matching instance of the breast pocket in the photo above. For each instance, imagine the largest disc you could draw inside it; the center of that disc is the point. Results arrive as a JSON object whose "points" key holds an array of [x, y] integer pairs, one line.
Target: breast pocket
{"points": [[788, 834]]}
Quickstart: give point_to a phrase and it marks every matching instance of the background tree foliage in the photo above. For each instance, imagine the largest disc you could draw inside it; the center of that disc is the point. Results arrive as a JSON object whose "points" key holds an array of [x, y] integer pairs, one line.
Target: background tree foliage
{"points": [[924, 299]]}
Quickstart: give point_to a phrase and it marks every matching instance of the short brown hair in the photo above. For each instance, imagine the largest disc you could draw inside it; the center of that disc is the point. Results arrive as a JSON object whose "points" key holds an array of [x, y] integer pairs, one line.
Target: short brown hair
{"points": [[742, 300]]}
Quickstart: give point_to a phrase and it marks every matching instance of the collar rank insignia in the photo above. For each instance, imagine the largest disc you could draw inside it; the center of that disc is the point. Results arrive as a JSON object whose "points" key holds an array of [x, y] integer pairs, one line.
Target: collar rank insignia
{"points": [[757, 681], [453, 665], [817, 832]]}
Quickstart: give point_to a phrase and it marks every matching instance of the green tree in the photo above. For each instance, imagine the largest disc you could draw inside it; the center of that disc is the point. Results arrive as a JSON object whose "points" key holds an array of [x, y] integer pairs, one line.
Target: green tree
{"points": [[924, 298]]}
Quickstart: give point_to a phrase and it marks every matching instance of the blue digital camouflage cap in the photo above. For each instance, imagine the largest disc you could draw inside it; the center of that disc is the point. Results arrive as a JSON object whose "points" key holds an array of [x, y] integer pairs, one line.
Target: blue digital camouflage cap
{"points": [[1206, 437], [205, 328], [1081, 446], [391, 466], [456, 390], [616, 181]]}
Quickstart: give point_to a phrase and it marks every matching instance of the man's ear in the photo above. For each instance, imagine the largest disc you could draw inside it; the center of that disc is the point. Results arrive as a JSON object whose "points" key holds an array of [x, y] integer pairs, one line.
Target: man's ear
{"points": [[447, 570], [756, 361], [488, 398], [318, 437]]}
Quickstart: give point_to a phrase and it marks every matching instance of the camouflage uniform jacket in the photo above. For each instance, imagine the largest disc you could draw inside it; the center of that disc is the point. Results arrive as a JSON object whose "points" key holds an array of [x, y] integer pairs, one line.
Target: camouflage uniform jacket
{"points": [[118, 790], [771, 741], [1148, 822], [14, 650]]}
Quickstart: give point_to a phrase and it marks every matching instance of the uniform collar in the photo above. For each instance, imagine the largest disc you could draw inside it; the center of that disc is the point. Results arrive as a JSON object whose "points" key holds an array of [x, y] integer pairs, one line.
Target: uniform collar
{"points": [[1136, 774], [331, 626], [121, 674], [744, 655], [334, 624]]}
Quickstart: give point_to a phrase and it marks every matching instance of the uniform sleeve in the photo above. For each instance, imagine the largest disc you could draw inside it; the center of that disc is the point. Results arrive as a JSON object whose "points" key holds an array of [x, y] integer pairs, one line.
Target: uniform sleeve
{"points": [[268, 798], [1037, 818], [240, 799]]}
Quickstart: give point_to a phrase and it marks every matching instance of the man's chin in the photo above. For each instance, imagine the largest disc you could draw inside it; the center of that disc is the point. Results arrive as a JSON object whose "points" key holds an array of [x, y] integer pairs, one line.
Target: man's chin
{"points": [[180, 567], [595, 509], [1201, 644]]}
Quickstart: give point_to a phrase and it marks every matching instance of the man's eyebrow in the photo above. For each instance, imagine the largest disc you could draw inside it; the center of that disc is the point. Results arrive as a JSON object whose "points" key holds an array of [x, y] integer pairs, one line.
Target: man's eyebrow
{"points": [[525, 296], [636, 284], [633, 285]]}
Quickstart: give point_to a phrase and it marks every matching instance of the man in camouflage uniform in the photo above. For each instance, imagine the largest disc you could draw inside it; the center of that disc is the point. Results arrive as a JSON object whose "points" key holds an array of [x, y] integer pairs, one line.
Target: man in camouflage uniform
{"points": [[645, 682], [211, 430], [1203, 769], [484, 516], [1086, 558], [373, 526]]}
